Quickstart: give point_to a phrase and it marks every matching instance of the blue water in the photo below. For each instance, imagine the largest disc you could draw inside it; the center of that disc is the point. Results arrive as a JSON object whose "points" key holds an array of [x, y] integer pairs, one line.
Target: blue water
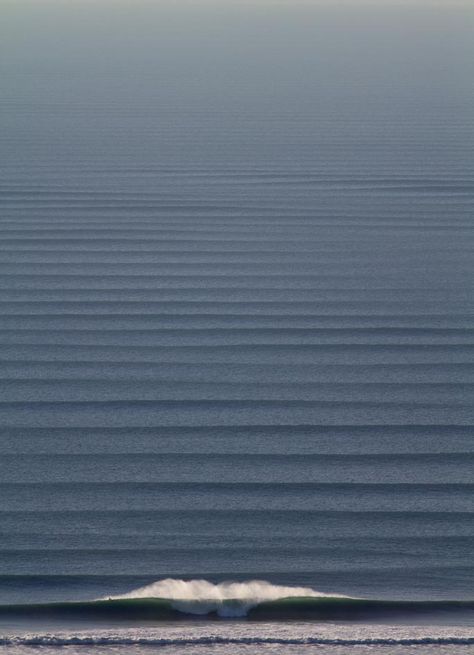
{"points": [[237, 323]]}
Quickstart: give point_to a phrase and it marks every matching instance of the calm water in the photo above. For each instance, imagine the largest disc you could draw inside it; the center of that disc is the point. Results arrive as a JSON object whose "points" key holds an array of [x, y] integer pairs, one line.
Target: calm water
{"points": [[236, 321]]}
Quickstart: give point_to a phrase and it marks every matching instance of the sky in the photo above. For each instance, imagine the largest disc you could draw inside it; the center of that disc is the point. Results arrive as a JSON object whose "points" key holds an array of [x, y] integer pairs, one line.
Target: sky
{"points": [[231, 51]]}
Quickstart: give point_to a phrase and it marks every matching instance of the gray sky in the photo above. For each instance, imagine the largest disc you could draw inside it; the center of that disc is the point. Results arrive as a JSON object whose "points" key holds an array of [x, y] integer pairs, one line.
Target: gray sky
{"points": [[230, 51]]}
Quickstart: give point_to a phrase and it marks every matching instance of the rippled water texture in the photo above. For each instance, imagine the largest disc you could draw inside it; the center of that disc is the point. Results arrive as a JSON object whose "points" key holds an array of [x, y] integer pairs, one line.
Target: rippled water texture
{"points": [[236, 323]]}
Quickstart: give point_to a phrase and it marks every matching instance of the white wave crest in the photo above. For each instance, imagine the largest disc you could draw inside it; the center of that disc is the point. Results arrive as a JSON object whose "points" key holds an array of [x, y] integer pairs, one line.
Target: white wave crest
{"points": [[227, 599]]}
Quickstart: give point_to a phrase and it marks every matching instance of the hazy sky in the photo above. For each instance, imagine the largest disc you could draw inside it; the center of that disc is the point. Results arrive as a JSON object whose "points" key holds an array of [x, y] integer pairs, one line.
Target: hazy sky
{"points": [[236, 53]]}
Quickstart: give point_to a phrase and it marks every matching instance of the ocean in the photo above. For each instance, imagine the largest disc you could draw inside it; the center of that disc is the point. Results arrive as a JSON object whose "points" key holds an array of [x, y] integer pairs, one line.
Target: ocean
{"points": [[236, 329]]}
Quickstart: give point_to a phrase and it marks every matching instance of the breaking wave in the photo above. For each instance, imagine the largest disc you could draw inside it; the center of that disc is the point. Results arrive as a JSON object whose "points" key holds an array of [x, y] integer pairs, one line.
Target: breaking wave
{"points": [[179, 600], [226, 599]]}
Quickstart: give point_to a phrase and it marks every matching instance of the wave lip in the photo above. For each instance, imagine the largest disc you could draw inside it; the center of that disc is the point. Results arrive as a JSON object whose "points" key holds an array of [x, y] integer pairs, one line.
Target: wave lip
{"points": [[225, 599]]}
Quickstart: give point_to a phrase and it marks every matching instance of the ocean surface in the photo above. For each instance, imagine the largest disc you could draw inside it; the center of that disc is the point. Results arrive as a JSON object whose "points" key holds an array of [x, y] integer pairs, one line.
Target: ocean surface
{"points": [[237, 331]]}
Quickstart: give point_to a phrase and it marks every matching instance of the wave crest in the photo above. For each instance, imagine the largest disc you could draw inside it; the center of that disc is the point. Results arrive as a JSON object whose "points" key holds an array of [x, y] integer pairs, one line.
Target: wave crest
{"points": [[226, 599]]}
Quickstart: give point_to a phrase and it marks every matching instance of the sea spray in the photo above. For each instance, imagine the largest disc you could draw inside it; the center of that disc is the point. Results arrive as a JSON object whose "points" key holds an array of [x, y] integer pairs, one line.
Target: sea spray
{"points": [[226, 599]]}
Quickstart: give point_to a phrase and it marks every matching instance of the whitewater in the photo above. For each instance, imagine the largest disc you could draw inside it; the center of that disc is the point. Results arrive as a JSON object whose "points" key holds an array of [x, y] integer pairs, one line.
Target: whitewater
{"points": [[243, 639], [226, 599], [198, 617]]}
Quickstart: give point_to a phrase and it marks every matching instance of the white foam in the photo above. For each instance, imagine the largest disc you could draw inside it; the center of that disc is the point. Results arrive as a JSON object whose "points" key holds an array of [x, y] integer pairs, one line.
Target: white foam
{"points": [[211, 640], [227, 599]]}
